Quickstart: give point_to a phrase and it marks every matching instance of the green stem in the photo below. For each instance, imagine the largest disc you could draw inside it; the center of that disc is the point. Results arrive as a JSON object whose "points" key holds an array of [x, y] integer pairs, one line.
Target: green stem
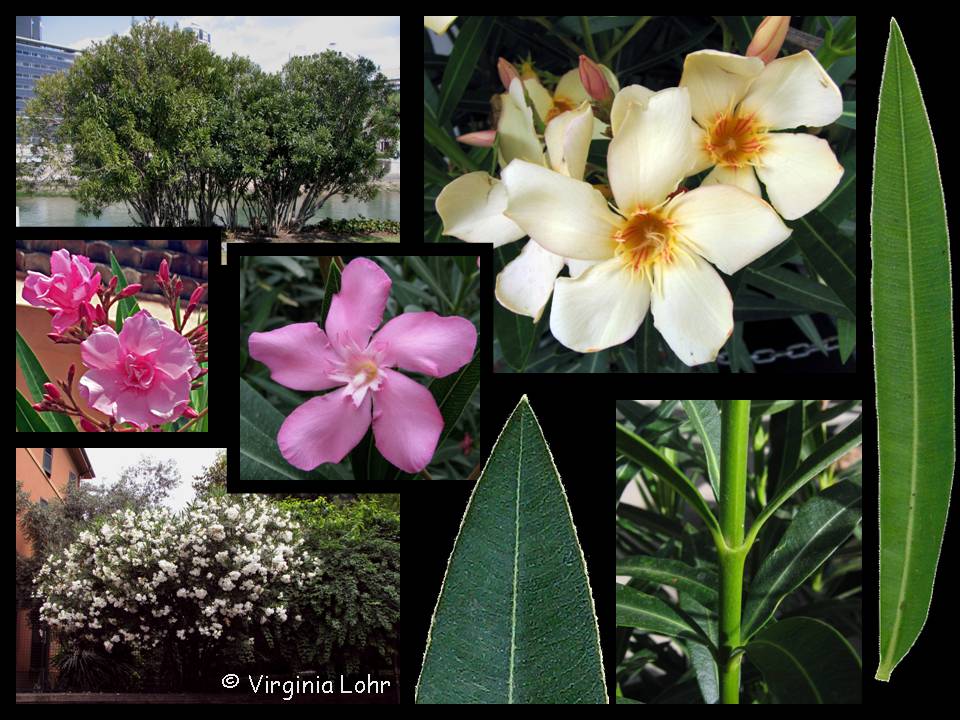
{"points": [[735, 423], [619, 45], [588, 38]]}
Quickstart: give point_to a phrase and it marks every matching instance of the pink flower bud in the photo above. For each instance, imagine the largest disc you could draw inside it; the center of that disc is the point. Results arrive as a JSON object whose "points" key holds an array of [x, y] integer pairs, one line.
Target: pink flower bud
{"points": [[54, 337], [164, 272], [507, 73], [129, 290], [52, 390], [179, 286], [88, 426], [190, 412], [483, 138], [38, 407], [113, 284], [101, 315], [197, 294], [769, 37], [70, 373], [593, 79]]}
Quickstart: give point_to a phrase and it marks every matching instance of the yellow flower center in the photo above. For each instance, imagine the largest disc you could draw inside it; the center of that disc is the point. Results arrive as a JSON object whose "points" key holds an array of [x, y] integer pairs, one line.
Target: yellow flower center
{"points": [[648, 238], [560, 106], [735, 140]]}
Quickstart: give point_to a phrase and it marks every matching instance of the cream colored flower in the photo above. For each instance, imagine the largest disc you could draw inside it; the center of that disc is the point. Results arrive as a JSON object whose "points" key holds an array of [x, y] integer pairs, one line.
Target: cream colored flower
{"points": [[738, 103], [438, 23], [654, 251]]}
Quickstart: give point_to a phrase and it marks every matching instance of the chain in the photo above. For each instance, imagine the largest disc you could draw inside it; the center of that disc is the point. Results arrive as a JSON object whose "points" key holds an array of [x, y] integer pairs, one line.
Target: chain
{"points": [[792, 352]]}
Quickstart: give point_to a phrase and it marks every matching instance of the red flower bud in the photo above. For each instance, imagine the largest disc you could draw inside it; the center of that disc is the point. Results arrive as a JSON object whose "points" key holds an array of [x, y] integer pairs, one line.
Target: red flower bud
{"points": [[38, 407], [101, 315], [52, 390], [197, 294], [70, 373], [88, 426], [129, 290], [190, 412], [113, 284], [54, 337], [164, 272]]}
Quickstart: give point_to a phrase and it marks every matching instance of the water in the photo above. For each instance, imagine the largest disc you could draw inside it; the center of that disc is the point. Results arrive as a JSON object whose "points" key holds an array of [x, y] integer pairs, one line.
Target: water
{"points": [[62, 211]]}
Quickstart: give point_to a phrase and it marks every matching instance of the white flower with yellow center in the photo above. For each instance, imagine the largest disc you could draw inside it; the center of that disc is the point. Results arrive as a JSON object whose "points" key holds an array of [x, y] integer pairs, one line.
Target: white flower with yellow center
{"points": [[569, 94], [653, 251], [738, 104]]}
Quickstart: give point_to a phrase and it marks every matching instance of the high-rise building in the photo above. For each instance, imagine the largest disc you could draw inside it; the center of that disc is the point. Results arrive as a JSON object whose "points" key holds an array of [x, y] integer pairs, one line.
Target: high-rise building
{"points": [[35, 59], [199, 33], [29, 26]]}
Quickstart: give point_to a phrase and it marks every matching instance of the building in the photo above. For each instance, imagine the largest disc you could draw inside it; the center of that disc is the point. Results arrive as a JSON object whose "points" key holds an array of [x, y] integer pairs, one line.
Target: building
{"points": [[29, 26], [199, 33], [44, 474], [36, 59]]}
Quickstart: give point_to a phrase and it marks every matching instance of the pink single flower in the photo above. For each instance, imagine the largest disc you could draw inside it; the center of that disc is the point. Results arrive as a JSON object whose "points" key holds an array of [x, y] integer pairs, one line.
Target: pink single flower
{"points": [[406, 420], [72, 282], [141, 376]]}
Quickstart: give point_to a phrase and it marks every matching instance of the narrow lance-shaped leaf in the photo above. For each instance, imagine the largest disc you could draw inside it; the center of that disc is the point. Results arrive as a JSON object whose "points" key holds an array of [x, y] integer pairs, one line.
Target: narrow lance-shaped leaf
{"points": [[643, 453], [701, 584], [806, 661], [913, 341], [821, 525], [36, 378], [705, 416], [515, 622], [814, 464], [651, 614]]}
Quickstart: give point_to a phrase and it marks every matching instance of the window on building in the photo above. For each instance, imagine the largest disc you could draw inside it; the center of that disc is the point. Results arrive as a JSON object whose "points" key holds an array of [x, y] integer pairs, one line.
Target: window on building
{"points": [[73, 479], [48, 461]]}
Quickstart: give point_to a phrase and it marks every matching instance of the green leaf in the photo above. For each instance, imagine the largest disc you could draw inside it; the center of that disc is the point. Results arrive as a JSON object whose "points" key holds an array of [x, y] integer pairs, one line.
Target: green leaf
{"points": [[701, 584], [848, 118], [705, 417], [805, 661], [786, 440], [830, 254], [515, 622], [913, 341], [330, 288], [643, 453], [703, 662], [260, 457], [846, 338], [793, 287], [462, 62], [517, 334], [441, 140], [843, 199], [648, 613], [35, 376], [822, 525], [28, 419], [128, 306], [814, 464]]}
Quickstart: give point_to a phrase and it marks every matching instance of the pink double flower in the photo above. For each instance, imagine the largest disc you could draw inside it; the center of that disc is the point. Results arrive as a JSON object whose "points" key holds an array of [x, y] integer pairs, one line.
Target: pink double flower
{"points": [[72, 283], [357, 363]]}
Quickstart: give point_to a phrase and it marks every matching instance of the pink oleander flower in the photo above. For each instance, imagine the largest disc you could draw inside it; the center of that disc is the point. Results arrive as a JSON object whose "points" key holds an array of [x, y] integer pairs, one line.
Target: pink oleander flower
{"points": [[141, 376], [405, 417], [73, 281]]}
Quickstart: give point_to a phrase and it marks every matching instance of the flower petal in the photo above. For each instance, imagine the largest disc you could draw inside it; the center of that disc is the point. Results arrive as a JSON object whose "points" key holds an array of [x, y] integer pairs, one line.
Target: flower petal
{"points": [[744, 178], [515, 133], [296, 355], [566, 216], [794, 91], [630, 95], [652, 151], [427, 343], [692, 309], [717, 81], [728, 226], [406, 422], [471, 208], [568, 141], [102, 349], [323, 430], [601, 308], [570, 89], [525, 284], [356, 311], [141, 333], [799, 172], [539, 96]]}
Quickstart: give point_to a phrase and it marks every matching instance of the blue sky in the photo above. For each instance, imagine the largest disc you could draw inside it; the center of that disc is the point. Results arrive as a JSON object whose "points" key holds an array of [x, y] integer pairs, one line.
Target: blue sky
{"points": [[268, 41]]}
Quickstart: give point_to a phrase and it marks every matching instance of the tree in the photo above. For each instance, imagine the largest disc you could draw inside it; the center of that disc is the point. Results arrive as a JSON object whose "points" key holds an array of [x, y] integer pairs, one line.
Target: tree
{"points": [[213, 479]]}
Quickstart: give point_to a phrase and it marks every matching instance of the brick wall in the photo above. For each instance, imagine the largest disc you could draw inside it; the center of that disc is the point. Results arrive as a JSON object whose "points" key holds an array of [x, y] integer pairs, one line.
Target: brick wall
{"points": [[139, 259]]}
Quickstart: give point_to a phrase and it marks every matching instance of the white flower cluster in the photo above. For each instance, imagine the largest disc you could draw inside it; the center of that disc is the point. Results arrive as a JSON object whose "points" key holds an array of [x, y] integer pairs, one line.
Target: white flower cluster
{"points": [[123, 583]]}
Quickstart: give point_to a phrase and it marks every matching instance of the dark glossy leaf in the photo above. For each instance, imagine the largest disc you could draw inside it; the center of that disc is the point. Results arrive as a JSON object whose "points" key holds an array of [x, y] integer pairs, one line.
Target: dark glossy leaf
{"points": [[805, 661], [330, 288], [128, 306], [822, 524], [35, 377], [515, 622], [705, 416], [699, 583], [786, 439], [797, 289], [462, 63], [517, 334], [648, 613], [830, 254], [849, 116], [643, 453]]}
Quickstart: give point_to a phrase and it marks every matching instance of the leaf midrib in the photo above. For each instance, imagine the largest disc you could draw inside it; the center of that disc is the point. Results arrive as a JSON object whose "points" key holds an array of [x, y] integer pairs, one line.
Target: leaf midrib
{"points": [[516, 565], [908, 541]]}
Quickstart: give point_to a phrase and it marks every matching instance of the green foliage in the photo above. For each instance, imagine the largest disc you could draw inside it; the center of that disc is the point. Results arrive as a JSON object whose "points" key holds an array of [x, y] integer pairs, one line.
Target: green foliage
{"points": [[156, 120], [350, 609]]}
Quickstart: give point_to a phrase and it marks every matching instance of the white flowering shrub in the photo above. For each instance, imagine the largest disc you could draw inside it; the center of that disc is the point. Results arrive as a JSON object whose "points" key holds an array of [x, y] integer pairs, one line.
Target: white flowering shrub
{"points": [[216, 570]]}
